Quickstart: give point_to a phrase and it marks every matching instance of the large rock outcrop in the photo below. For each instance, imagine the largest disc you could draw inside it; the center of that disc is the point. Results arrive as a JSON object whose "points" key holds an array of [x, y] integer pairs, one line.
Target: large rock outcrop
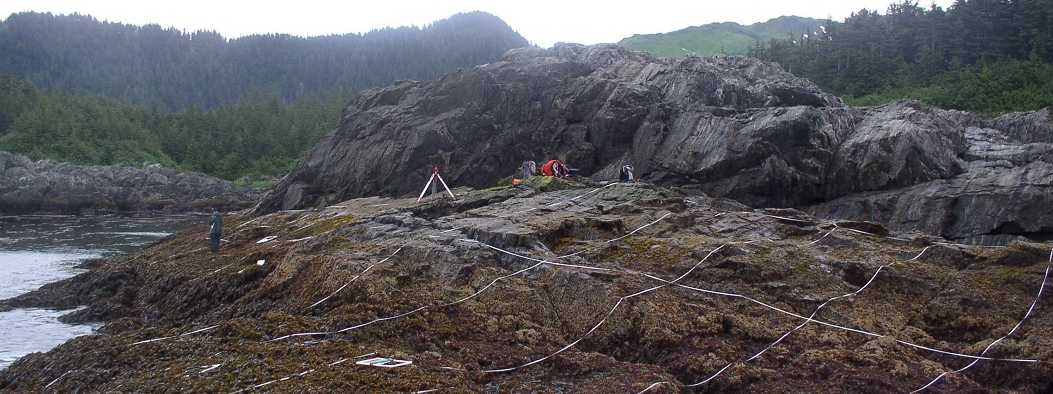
{"points": [[1001, 188], [728, 126], [47, 186], [596, 107]]}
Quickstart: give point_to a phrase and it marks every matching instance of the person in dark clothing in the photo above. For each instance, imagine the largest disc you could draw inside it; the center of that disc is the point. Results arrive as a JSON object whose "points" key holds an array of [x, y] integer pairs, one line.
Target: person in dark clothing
{"points": [[215, 223], [626, 175]]}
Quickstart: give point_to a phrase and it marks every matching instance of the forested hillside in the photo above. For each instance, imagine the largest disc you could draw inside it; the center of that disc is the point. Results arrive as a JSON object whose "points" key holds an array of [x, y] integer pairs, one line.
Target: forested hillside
{"points": [[170, 69], [258, 135], [990, 56], [78, 90]]}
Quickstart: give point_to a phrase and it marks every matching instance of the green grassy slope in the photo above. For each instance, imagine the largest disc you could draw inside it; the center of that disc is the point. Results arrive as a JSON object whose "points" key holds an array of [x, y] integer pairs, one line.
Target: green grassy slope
{"points": [[714, 38]]}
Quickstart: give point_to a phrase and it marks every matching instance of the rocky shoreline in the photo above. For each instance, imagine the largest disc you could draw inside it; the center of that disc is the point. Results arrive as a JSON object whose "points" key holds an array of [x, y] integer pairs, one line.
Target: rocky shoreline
{"points": [[50, 187], [553, 287]]}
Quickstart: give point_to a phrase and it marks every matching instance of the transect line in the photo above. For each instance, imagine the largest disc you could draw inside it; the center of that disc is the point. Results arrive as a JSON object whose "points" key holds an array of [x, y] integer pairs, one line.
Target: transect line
{"points": [[872, 278], [857, 331], [1017, 326], [810, 319], [535, 259], [558, 202], [653, 385], [615, 239], [353, 279], [568, 346], [538, 263], [175, 336], [582, 195], [666, 283], [531, 209], [600, 323], [480, 291], [57, 379], [824, 236], [301, 374], [213, 366]]}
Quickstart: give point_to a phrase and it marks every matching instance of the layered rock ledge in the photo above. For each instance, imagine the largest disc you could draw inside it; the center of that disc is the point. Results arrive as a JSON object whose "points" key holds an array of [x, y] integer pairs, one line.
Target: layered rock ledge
{"points": [[47, 186], [554, 288]]}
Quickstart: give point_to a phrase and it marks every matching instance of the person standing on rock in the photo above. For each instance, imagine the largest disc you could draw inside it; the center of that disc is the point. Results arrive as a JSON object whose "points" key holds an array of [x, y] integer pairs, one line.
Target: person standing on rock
{"points": [[215, 223]]}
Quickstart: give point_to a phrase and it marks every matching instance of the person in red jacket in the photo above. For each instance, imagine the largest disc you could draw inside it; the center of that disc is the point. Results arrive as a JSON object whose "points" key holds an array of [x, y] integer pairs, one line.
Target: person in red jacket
{"points": [[555, 168]]}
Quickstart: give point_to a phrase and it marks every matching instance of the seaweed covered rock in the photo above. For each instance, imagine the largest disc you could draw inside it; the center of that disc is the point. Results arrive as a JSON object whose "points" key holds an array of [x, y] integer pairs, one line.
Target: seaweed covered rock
{"points": [[578, 288]]}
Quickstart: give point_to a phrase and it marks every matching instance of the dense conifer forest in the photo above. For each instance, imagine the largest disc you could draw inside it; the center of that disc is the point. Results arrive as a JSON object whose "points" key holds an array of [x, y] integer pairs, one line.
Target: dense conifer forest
{"points": [[990, 56], [171, 70], [79, 90]]}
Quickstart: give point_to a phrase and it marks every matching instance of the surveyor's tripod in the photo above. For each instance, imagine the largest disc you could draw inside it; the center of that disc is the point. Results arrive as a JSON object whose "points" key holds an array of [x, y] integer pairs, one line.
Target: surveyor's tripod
{"points": [[434, 176]]}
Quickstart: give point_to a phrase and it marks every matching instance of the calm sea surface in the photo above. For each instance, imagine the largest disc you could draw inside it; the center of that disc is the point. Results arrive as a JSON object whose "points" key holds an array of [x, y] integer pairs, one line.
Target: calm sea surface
{"points": [[36, 250]]}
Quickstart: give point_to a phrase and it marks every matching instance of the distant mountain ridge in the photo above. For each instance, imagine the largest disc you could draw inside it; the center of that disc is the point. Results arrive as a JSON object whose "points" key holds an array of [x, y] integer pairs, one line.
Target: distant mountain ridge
{"points": [[170, 69], [725, 37]]}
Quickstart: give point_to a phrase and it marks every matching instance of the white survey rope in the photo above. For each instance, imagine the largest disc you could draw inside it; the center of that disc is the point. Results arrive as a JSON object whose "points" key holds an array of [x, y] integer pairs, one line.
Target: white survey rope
{"points": [[1017, 326], [601, 321], [824, 236], [175, 336], [559, 202], [616, 239], [353, 279], [301, 374], [653, 385], [538, 263], [810, 319]]}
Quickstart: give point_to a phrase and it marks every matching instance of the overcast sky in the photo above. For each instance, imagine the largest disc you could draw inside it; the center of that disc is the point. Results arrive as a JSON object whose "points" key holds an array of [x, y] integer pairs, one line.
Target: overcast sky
{"points": [[542, 22]]}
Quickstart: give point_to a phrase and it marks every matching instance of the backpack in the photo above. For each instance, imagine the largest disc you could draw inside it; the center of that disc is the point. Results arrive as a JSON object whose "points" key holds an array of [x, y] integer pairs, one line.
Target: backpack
{"points": [[529, 168]]}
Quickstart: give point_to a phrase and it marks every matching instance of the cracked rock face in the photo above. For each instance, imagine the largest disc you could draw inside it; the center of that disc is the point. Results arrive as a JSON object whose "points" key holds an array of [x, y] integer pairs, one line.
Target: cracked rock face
{"points": [[729, 127], [1000, 188], [575, 288]]}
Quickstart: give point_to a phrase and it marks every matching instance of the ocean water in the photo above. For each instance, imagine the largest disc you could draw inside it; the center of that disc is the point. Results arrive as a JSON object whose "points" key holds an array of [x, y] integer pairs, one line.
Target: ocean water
{"points": [[36, 250]]}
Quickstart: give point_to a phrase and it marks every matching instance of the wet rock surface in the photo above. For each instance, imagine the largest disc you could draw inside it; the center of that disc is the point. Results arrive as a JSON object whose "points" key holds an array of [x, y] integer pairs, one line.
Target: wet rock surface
{"points": [[727, 126], [566, 287], [47, 186]]}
